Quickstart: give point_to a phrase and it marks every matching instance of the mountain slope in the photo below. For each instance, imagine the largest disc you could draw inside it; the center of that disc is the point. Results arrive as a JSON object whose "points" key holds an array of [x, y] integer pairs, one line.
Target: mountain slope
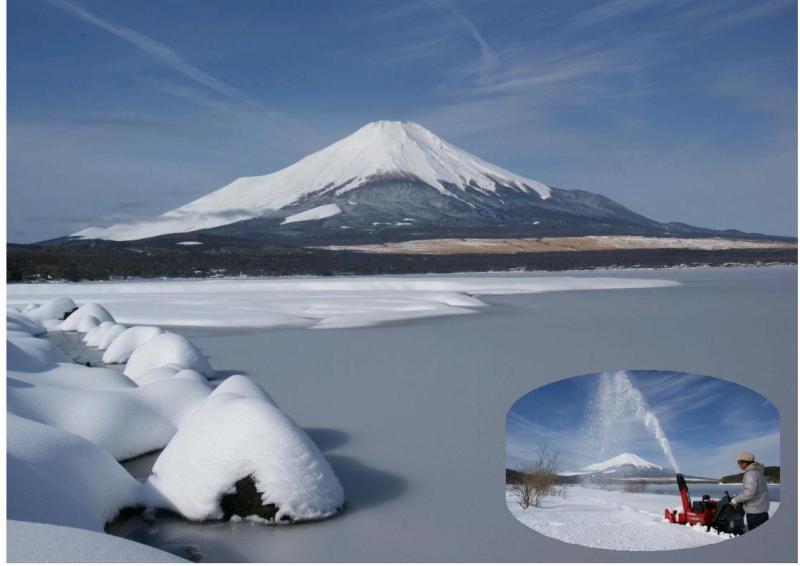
{"points": [[393, 181]]}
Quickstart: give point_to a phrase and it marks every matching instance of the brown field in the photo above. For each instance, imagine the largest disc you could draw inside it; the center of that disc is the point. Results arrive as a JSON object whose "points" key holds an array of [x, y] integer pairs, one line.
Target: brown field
{"points": [[563, 244]]}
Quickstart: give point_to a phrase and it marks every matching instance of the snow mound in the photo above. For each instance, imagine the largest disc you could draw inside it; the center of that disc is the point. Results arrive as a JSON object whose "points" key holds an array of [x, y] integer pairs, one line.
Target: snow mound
{"points": [[55, 308], [90, 335], [125, 422], [90, 309], [624, 459], [17, 322], [230, 438], [94, 336], [37, 542], [126, 342], [165, 349], [111, 334], [60, 478], [27, 353], [243, 386], [87, 324]]}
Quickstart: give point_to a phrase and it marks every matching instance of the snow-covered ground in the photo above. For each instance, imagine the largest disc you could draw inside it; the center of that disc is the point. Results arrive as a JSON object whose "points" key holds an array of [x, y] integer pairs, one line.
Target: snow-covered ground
{"points": [[613, 520], [341, 302]]}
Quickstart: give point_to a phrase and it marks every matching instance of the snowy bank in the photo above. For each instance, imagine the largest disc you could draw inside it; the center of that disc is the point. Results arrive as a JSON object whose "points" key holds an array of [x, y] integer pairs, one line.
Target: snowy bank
{"points": [[613, 520], [37, 542], [336, 302], [69, 425]]}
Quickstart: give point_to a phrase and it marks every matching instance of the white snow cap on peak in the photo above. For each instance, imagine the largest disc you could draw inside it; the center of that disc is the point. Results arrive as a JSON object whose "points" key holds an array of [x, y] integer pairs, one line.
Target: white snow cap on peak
{"points": [[624, 459], [389, 148]]}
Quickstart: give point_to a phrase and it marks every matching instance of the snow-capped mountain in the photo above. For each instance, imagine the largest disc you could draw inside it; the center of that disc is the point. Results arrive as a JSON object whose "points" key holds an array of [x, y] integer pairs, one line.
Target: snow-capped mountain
{"points": [[625, 465], [626, 461], [392, 181]]}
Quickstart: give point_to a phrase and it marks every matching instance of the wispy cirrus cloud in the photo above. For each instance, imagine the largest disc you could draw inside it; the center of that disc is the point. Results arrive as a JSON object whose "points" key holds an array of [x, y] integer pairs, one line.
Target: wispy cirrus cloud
{"points": [[488, 59], [160, 52]]}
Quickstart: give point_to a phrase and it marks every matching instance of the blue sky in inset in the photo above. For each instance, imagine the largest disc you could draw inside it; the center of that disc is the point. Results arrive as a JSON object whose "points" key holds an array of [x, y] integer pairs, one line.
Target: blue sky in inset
{"points": [[708, 422], [123, 109]]}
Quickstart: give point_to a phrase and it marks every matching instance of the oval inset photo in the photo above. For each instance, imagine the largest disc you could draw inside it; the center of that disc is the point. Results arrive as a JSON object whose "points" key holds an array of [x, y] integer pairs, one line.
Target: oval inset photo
{"points": [[642, 460]]}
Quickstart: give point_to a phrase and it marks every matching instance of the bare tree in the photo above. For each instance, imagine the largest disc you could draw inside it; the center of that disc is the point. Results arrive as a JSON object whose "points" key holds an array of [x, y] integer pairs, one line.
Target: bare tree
{"points": [[538, 480]]}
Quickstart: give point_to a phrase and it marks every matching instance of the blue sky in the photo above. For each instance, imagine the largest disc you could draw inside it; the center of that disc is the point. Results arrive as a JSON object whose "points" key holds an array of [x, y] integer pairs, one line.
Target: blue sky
{"points": [[680, 110], [708, 422]]}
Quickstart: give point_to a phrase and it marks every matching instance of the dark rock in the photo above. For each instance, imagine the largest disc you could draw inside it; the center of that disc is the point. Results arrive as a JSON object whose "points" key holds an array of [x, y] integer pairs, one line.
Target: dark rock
{"points": [[246, 500]]}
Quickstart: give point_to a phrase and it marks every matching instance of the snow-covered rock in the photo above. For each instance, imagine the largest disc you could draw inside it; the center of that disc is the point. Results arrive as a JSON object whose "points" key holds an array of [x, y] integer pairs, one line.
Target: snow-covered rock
{"points": [[110, 335], [165, 349], [56, 308], [125, 343], [232, 438], [72, 322]]}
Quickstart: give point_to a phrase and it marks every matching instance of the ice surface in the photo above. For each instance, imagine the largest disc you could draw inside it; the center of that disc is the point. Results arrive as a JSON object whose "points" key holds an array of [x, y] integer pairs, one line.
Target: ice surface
{"points": [[118, 351], [340, 302]]}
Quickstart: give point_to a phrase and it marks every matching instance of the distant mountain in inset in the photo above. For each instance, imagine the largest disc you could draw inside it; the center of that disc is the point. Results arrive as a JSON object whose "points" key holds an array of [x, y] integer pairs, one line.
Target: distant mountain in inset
{"points": [[394, 181]]}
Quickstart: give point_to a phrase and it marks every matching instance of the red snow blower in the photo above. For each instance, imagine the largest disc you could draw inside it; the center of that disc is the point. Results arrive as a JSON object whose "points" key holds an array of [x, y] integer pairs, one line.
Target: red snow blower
{"points": [[720, 515]]}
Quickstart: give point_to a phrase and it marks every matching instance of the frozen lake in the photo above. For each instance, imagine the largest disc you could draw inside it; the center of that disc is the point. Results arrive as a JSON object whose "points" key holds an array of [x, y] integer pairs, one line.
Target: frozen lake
{"points": [[411, 415]]}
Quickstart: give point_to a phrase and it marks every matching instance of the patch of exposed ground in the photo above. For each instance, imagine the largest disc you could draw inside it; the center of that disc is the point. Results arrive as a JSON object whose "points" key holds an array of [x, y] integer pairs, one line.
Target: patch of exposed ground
{"points": [[561, 244]]}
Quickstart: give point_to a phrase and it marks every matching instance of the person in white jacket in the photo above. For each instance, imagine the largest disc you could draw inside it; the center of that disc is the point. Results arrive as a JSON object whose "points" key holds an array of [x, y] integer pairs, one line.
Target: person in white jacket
{"points": [[754, 495]]}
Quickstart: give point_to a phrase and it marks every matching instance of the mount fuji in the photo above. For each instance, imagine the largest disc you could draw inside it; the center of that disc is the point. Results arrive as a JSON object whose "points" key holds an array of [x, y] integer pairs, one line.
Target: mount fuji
{"points": [[623, 464], [392, 181]]}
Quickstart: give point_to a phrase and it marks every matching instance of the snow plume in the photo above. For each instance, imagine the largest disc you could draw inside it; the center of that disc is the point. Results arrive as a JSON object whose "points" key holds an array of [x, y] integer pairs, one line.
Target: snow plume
{"points": [[617, 401]]}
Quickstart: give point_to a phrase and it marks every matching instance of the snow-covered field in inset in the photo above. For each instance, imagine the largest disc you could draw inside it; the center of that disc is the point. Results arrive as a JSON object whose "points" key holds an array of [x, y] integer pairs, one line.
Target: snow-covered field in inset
{"points": [[613, 520], [341, 302]]}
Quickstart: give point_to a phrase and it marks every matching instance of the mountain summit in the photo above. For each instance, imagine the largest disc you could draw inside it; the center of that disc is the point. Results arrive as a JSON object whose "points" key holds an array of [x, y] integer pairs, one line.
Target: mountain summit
{"points": [[393, 181]]}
